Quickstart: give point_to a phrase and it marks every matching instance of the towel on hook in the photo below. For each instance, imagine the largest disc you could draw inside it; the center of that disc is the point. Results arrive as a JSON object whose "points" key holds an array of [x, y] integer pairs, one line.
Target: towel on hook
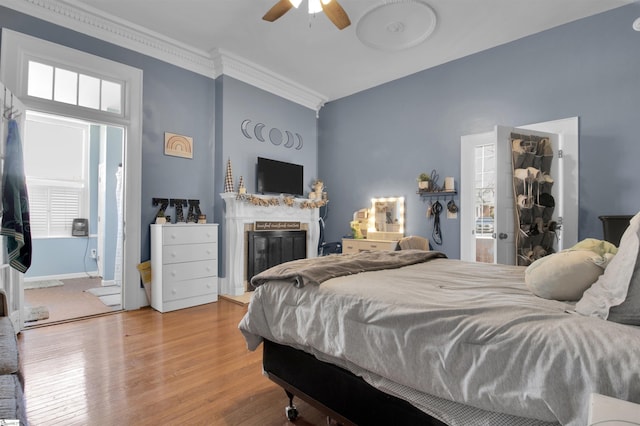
{"points": [[15, 203]]}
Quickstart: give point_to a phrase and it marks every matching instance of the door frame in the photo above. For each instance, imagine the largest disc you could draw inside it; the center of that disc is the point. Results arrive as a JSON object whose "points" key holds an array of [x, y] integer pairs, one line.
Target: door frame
{"points": [[17, 49]]}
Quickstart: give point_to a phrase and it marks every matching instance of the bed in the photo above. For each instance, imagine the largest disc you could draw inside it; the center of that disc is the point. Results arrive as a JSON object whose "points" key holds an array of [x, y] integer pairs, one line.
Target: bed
{"points": [[431, 340]]}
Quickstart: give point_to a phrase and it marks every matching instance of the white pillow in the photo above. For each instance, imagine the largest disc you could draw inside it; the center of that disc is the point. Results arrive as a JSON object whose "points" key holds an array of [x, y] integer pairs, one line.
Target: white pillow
{"points": [[611, 287], [564, 275]]}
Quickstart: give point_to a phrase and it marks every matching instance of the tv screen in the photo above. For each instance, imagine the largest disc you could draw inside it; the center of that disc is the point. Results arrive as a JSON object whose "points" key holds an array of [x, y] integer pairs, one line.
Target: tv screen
{"points": [[278, 177]]}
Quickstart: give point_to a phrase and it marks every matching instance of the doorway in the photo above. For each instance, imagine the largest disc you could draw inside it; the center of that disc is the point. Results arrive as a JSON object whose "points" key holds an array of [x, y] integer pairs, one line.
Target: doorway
{"points": [[487, 231], [74, 171], [52, 78]]}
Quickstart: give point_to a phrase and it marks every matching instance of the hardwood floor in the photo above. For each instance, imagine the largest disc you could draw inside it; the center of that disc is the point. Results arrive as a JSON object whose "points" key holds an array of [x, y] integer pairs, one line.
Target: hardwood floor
{"points": [[188, 367]]}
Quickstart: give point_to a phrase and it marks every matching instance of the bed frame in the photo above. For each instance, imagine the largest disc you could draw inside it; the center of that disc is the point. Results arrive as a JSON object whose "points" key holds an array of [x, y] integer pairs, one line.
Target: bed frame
{"points": [[338, 393]]}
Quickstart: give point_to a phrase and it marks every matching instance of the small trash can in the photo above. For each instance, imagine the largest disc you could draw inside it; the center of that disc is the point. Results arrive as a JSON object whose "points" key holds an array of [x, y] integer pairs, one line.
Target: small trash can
{"points": [[614, 227], [145, 275]]}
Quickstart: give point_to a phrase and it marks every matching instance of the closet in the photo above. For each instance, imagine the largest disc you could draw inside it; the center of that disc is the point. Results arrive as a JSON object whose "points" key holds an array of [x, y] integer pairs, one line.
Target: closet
{"points": [[504, 216]]}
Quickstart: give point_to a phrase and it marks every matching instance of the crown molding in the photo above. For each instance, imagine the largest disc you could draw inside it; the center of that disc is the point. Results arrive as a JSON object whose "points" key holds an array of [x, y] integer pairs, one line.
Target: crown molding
{"points": [[87, 20], [258, 76]]}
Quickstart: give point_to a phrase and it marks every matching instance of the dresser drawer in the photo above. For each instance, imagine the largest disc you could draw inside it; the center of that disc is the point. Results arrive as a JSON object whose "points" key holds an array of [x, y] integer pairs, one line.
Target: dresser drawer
{"points": [[177, 253], [189, 234], [356, 246], [189, 270], [191, 288]]}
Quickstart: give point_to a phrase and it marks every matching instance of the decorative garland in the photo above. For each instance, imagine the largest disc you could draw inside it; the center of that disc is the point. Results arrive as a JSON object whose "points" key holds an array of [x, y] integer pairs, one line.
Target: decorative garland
{"points": [[281, 201]]}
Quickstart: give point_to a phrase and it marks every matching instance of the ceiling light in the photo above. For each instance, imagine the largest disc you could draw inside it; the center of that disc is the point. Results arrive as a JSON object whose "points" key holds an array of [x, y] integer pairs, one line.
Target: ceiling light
{"points": [[636, 24], [315, 6]]}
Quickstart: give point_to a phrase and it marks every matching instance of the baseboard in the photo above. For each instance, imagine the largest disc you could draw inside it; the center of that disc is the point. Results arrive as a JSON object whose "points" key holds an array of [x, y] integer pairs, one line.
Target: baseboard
{"points": [[62, 276]]}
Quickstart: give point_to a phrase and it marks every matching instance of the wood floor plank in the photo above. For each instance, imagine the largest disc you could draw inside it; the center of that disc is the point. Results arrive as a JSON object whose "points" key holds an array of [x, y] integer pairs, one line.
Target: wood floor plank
{"points": [[145, 368]]}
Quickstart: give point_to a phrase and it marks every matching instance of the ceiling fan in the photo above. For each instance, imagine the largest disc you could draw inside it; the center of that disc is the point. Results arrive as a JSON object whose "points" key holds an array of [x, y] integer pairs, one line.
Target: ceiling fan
{"points": [[331, 8]]}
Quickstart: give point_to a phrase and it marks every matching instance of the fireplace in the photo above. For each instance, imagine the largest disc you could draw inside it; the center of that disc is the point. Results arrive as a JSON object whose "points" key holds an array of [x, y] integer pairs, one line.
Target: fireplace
{"points": [[270, 248], [240, 217]]}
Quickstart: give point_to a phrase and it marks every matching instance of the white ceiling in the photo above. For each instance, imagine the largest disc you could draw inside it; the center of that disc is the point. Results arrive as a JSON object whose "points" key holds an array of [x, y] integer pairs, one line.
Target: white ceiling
{"points": [[310, 51]]}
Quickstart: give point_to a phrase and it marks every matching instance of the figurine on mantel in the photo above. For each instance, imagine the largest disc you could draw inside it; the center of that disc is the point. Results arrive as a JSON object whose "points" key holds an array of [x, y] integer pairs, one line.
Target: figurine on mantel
{"points": [[317, 193]]}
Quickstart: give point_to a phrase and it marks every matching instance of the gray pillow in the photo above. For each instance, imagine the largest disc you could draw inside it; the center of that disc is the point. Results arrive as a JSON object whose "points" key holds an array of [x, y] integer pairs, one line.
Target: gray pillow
{"points": [[628, 312]]}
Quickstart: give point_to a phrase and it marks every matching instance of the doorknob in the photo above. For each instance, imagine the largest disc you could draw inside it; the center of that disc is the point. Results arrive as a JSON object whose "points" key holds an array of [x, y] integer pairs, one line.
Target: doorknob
{"points": [[503, 236]]}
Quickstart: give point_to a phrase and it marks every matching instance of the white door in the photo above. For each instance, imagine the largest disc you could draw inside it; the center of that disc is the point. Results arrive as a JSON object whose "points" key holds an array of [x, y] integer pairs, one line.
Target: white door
{"points": [[11, 281], [486, 195], [488, 216]]}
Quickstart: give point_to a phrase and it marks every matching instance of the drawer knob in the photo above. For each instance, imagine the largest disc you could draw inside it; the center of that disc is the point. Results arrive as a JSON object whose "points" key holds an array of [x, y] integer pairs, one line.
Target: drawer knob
{"points": [[173, 291], [173, 254], [173, 273]]}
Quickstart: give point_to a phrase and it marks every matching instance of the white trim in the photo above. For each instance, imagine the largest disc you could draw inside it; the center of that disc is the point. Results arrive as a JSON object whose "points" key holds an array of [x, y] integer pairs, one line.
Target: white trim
{"points": [[90, 21], [257, 76], [62, 276], [15, 49]]}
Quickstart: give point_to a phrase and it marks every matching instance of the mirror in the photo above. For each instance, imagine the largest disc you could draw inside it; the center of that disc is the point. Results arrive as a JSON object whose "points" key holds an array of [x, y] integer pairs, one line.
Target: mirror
{"points": [[386, 218]]}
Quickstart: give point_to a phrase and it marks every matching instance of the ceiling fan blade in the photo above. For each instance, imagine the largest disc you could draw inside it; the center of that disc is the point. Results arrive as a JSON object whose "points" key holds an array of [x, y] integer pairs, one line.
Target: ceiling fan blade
{"points": [[277, 10], [336, 14]]}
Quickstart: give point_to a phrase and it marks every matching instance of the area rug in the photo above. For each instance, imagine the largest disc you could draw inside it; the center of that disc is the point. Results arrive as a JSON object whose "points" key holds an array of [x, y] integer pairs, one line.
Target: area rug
{"points": [[111, 299], [104, 291], [35, 313], [30, 285]]}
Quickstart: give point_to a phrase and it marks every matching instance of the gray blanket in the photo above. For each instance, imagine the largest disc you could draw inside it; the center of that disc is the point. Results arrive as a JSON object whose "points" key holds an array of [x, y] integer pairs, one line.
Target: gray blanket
{"points": [[317, 270]]}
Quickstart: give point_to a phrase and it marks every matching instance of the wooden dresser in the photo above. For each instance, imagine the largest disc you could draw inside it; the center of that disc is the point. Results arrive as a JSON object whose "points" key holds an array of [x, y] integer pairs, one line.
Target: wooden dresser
{"points": [[350, 245], [184, 265]]}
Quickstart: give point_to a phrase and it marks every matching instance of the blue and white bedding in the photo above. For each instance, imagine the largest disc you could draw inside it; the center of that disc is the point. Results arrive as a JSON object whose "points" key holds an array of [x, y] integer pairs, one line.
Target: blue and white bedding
{"points": [[455, 331]]}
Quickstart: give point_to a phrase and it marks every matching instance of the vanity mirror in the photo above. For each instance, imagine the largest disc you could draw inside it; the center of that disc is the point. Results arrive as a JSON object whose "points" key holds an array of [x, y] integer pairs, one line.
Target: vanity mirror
{"points": [[386, 218]]}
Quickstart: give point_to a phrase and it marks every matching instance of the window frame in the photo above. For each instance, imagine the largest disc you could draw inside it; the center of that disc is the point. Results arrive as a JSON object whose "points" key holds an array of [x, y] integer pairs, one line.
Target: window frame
{"points": [[50, 185]]}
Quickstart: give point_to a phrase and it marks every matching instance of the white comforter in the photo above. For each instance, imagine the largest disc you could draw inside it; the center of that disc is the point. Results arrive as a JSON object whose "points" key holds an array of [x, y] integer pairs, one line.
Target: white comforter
{"points": [[466, 332]]}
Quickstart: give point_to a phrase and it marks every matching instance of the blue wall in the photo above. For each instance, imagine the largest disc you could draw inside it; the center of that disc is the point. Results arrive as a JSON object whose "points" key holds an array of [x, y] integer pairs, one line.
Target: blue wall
{"points": [[376, 142]]}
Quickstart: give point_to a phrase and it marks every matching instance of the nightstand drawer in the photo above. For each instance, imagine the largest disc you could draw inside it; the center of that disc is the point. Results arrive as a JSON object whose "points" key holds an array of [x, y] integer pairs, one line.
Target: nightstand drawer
{"points": [[178, 253], [189, 234]]}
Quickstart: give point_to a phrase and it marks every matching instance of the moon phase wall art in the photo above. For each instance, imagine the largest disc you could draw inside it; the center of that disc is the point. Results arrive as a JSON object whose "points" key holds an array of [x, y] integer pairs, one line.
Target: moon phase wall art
{"points": [[178, 145], [277, 137]]}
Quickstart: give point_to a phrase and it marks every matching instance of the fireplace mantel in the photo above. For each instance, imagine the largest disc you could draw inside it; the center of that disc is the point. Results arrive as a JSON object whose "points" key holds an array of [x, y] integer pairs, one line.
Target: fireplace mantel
{"points": [[240, 212]]}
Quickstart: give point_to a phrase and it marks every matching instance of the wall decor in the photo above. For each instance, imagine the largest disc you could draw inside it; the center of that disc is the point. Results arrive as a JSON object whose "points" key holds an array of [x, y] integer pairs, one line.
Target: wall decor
{"points": [[178, 145], [275, 135]]}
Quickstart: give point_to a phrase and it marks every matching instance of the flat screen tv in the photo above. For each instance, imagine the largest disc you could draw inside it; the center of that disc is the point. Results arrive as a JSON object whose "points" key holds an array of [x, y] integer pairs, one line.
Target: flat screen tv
{"points": [[278, 177]]}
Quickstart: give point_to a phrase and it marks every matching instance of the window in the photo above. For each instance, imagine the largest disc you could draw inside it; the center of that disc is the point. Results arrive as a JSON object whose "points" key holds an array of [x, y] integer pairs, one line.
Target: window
{"points": [[56, 152], [61, 85]]}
